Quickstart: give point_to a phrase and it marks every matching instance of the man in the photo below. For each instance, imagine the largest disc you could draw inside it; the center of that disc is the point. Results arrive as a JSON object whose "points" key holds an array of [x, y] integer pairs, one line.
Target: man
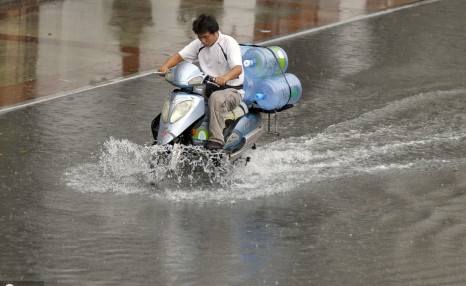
{"points": [[219, 56]]}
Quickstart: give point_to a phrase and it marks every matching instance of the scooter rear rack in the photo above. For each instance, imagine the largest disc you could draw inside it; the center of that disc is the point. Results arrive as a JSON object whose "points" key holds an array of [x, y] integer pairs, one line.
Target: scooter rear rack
{"points": [[269, 119]]}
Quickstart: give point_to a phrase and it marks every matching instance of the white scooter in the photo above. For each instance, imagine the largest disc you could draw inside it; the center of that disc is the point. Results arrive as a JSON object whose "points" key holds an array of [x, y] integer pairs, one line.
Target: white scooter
{"points": [[184, 119]]}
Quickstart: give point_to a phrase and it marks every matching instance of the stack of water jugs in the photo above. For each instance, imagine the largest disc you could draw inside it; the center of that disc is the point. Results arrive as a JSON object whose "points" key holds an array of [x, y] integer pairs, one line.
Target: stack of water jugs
{"points": [[266, 85]]}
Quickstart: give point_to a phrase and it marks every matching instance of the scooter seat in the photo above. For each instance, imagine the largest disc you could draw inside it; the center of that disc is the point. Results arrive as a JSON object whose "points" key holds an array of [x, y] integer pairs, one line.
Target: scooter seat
{"points": [[239, 111]]}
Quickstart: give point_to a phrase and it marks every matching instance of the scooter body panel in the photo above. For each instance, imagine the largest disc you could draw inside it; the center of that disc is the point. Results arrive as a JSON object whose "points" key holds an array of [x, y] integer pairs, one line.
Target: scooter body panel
{"points": [[168, 131], [249, 123]]}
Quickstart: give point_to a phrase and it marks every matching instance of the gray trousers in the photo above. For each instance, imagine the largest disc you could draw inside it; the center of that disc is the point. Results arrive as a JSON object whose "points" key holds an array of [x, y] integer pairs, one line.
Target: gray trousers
{"points": [[220, 102]]}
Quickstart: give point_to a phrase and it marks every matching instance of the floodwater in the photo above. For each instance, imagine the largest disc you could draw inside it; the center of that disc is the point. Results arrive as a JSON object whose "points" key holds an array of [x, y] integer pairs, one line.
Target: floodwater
{"points": [[366, 185]]}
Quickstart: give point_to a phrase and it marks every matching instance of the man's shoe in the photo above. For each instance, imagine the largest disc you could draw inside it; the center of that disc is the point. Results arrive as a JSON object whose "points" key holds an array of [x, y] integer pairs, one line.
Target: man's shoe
{"points": [[211, 145]]}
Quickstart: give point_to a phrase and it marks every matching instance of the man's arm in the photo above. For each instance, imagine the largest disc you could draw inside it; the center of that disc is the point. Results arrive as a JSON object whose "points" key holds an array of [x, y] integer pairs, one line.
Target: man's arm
{"points": [[170, 62], [232, 74]]}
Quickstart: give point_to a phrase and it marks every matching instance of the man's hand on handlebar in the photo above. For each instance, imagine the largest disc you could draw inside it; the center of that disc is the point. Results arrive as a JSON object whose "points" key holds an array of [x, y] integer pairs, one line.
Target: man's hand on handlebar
{"points": [[221, 80], [161, 71]]}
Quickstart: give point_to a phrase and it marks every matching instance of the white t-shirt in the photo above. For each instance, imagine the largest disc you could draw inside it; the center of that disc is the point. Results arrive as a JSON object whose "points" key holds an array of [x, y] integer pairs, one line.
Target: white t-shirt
{"points": [[217, 59]]}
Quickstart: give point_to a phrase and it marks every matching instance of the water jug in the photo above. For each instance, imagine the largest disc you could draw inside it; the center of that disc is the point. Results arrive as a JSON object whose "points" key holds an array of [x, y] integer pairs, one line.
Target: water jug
{"points": [[248, 87], [262, 62], [248, 84], [274, 93], [244, 48]]}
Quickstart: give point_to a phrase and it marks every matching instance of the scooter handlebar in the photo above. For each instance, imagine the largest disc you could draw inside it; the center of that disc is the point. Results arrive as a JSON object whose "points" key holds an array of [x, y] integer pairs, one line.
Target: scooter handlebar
{"points": [[211, 80]]}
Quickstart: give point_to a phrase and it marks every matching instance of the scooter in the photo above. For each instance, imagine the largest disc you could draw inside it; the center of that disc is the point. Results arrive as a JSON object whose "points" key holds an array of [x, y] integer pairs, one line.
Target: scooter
{"points": [[184, 120]]}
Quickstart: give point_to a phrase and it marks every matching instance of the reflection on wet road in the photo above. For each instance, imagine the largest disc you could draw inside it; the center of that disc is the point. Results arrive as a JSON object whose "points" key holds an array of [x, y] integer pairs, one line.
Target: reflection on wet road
{"points": [[365, 186], [52, 47]]}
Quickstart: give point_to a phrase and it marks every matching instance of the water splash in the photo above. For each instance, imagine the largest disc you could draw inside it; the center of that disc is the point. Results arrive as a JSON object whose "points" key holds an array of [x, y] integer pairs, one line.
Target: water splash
{"points": [[128, 168], [121, 168], [417, 133]]}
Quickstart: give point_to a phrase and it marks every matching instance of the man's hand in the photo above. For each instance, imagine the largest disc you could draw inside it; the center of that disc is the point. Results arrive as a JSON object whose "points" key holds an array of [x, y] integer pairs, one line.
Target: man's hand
{"points": [[221, 80], [161, 71], [169, 63], [232, 74]]}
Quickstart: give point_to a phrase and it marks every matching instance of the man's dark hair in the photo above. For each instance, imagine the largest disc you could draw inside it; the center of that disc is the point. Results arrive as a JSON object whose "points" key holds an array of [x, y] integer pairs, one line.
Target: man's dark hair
{"points": [[205, 23]]}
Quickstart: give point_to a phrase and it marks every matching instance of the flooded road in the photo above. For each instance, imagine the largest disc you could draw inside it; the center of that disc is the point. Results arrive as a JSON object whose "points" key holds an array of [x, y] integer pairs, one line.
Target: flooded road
{"points": [[365, 185]]}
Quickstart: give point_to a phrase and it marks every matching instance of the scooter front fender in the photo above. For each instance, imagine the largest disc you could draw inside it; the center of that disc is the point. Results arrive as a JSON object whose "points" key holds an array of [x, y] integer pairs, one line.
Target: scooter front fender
{"points": [[168, 131]]}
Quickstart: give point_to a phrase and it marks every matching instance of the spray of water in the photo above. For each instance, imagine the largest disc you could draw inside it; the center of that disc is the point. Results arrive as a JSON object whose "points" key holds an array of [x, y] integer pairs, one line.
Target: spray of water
{"points": [[420, 132], [161, 172]]}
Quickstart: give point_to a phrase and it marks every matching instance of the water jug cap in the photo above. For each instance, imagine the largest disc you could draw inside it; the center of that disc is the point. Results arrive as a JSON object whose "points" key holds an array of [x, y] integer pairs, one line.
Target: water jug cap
{"points": [[259, 96], [248, 63]]}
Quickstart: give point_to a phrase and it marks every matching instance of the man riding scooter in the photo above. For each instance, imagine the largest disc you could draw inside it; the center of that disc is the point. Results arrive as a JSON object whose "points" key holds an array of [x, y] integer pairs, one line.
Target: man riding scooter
{"points": [[219, 56]]}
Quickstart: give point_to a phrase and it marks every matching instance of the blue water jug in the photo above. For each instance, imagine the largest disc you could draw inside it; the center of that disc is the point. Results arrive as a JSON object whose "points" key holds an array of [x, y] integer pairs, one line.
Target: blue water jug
{"points": [[244, 48], [248, 87], [274, 92], [262, 62]]}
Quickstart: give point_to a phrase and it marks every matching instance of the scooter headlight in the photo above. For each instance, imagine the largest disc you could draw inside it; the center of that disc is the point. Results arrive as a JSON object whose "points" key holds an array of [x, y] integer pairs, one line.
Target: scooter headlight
{"points": [[196, 81], [180, 110], [166, 110]]}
